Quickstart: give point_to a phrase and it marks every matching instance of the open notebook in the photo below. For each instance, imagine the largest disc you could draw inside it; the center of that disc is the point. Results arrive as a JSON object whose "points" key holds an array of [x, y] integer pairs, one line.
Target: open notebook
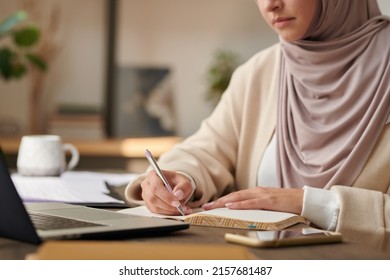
{"points": [[228, 218]]}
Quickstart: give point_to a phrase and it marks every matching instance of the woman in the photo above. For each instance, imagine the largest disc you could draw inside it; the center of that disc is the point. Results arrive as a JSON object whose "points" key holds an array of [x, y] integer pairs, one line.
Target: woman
{"points": [[306, 121]]}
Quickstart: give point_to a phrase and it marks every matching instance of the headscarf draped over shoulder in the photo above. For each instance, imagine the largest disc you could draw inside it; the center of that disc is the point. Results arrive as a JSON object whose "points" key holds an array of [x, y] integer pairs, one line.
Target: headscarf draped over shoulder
{"points": [[334, 94]]}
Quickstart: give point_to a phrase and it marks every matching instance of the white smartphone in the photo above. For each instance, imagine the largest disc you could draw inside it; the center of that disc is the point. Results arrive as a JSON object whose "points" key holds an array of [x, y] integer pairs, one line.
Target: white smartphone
{"points": [[294, 237]]}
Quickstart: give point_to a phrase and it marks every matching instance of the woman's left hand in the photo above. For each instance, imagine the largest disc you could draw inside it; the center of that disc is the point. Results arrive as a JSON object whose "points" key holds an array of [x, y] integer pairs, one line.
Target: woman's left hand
{"points": [[266, 198]]}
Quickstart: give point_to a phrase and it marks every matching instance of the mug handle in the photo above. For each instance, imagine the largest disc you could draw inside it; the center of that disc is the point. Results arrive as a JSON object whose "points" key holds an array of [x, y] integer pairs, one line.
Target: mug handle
{"points": [[75, 156]]}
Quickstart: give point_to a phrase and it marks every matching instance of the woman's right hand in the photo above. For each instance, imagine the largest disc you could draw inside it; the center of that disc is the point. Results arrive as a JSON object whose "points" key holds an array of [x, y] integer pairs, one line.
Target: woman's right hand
{"points": [[159, 200]]}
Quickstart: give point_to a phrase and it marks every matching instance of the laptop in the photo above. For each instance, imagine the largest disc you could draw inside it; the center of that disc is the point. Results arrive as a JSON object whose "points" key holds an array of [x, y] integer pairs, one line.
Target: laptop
{"points": [[37, 222]]}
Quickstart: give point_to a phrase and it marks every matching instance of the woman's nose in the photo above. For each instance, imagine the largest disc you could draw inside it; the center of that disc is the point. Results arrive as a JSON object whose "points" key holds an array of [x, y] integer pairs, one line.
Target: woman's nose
{"points": [[271, 5]]}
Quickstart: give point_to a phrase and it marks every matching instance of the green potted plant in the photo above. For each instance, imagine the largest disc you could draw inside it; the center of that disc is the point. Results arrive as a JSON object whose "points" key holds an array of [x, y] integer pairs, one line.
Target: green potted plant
{"points": [[16, 47], [219, 74]]}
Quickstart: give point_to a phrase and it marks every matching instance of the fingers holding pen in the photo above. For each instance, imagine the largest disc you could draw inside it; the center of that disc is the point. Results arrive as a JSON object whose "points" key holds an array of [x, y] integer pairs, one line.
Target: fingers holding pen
{"points": [[158, 198], [164, 195], [183, 188]]}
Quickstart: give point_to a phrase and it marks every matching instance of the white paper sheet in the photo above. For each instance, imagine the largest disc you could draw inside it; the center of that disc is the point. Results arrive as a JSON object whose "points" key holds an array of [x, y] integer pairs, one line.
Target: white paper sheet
{"points": [[71, 187], [249, 215]]}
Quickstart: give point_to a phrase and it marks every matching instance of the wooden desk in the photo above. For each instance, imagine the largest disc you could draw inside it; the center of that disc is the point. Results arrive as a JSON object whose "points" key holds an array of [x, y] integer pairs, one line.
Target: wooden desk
{"points": [[120, 154], [134, 148], [10, 249]]}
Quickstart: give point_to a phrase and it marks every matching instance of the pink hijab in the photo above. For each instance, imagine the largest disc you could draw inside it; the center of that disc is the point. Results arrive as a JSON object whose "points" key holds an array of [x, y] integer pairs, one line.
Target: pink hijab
{"points": [[334, 95]]}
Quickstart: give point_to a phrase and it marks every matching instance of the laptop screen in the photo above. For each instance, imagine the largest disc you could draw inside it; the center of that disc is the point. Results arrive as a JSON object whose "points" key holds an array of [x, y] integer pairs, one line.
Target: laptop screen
{"points": [[14, 220]]}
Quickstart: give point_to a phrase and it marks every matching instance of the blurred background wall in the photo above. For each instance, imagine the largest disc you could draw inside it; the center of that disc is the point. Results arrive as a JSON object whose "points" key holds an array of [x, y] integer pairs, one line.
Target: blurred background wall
{"points": [[181, 34]]}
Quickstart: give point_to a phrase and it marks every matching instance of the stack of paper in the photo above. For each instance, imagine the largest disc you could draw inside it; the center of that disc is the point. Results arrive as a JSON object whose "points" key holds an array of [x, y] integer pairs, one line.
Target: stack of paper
{"points": [[71, 187]]}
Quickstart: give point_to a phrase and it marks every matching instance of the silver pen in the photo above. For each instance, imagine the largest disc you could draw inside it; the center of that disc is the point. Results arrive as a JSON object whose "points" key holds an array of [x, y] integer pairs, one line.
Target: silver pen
{"points": [[156, 168]]}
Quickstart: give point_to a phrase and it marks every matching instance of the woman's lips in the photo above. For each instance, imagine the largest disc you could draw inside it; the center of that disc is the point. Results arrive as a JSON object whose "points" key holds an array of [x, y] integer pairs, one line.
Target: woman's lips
{"points": [[280, 22]]}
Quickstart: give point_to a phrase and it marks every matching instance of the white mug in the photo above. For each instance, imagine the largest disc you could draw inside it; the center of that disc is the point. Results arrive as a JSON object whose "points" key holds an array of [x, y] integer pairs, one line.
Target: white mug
{"points": [[44, 155]]}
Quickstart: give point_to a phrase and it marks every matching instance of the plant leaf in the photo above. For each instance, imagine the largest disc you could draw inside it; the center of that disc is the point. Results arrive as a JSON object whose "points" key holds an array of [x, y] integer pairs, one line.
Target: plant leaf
{"points": [[5, 63], [11, 22], [37, 61], [27, 36]]}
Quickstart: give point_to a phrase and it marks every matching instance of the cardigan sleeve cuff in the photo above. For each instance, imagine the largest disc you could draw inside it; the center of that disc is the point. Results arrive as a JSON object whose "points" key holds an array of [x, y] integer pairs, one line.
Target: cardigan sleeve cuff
{"points": [[321, 207]]}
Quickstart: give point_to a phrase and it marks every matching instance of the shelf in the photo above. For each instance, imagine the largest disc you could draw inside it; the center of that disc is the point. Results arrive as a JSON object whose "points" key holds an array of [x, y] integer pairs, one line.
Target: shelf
{"points": [[124, 148]]}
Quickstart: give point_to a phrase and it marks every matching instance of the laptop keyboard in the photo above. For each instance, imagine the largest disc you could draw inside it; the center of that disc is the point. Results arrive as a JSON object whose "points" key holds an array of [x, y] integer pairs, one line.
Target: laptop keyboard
{"points": [[47, 222]]}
